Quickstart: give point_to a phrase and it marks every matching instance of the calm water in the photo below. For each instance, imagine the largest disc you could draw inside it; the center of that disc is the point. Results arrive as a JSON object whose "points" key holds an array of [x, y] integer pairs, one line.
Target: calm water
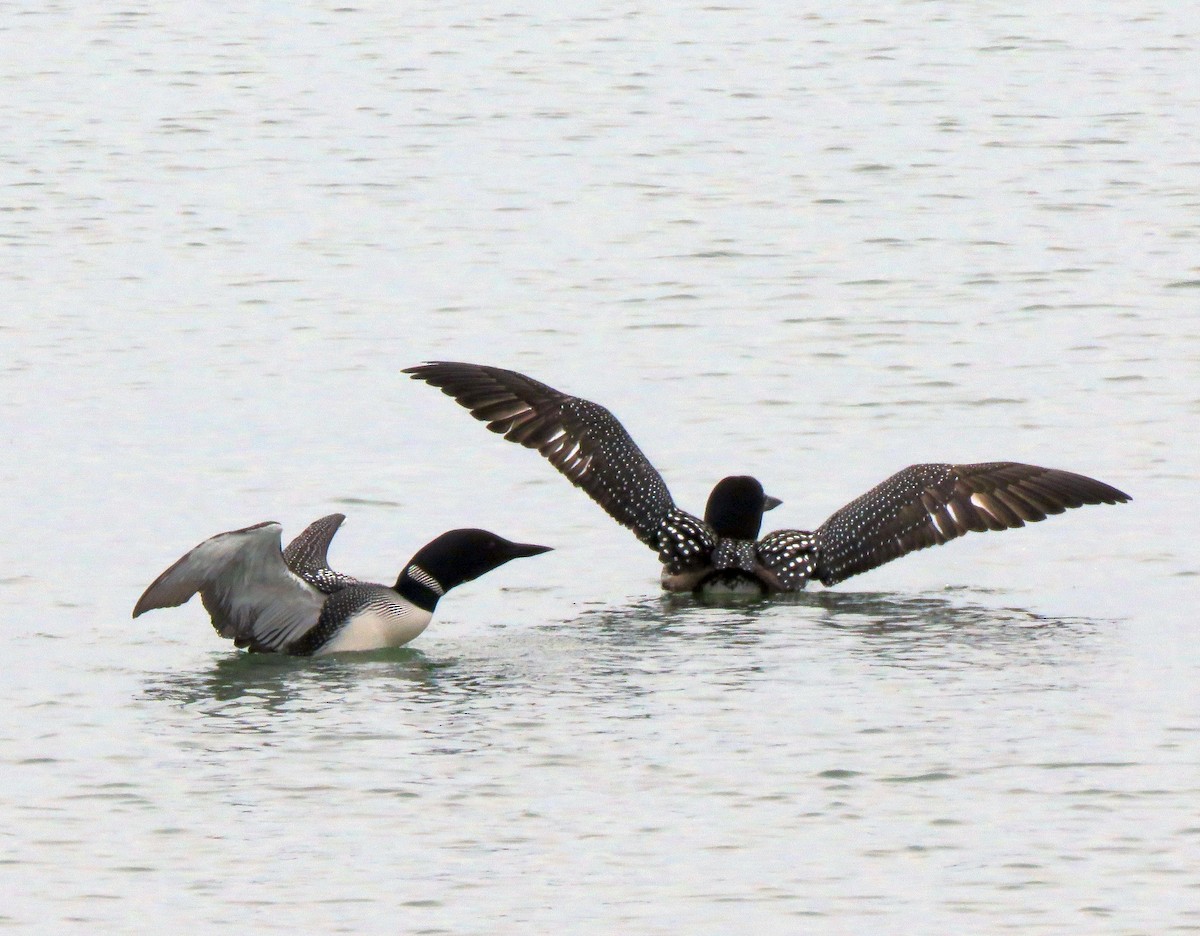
{"points": [[812, 244]]}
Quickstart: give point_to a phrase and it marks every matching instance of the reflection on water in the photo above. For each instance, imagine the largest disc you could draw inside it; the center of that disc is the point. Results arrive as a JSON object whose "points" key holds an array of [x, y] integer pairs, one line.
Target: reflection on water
{"points": [[921, 621], [870, 612], [671, 615], [614, 641], [277, 685], [273, 682], [610, 652], [934, 632]]}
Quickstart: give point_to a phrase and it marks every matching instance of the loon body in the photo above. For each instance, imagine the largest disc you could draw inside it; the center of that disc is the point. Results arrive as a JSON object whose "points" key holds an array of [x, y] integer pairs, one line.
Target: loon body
{"points": [[921, 506], [276, 601]]}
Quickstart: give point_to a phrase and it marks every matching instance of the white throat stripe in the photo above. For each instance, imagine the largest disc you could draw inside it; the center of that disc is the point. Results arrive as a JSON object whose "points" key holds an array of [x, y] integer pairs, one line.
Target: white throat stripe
{"points": [[419, 575]]}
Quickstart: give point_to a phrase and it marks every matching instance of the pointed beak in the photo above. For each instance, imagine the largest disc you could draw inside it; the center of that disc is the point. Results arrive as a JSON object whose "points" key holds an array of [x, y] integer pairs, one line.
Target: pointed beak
{"points": [[521, 550], [770, 503]]}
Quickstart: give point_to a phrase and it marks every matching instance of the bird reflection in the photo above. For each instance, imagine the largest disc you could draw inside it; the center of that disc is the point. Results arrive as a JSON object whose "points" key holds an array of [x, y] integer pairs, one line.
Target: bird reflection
{"points": [[935, 632], [286, 686], [614, 650], [925, 614], [890, 626]]}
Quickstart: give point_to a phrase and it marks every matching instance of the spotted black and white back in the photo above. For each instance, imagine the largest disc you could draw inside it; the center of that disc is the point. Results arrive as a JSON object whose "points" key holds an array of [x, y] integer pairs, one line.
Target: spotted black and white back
{"points": [[791, 555], [684, 542]]}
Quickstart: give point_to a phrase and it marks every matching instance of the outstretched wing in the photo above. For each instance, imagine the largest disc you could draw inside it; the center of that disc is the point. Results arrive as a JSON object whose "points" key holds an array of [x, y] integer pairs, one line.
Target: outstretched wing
{"points": [[245, 586], [581, 439], [925, 505], [308, 555]]}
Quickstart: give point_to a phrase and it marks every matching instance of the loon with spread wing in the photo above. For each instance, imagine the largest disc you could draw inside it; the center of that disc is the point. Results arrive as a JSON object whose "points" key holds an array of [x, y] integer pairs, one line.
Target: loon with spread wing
{"points": [[276, 601], [921, 506]]}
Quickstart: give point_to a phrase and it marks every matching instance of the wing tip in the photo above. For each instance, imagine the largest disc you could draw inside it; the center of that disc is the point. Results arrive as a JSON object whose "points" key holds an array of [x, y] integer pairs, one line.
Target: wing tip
{"points": [[152, 602], [177, 584], [428, 370]]}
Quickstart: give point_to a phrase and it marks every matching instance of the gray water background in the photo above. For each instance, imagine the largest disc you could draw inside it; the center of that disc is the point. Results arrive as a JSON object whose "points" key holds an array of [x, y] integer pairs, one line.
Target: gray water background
{"points": [[813, 243]]}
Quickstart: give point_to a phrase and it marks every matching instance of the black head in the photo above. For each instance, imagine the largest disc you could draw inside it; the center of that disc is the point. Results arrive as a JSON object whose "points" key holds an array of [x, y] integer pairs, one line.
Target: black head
{"points": [[736, 505], [455, 557]]}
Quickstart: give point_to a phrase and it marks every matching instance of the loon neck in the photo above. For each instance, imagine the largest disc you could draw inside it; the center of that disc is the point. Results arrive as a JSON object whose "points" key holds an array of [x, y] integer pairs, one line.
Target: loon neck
{"points": [[419, 587], [455, 557]]}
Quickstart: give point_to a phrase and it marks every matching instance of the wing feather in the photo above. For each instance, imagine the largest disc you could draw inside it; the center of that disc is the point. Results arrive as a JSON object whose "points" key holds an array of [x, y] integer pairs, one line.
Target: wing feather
{"points": [[925, 505], [246, 587], [583, 440], [308, 555]]}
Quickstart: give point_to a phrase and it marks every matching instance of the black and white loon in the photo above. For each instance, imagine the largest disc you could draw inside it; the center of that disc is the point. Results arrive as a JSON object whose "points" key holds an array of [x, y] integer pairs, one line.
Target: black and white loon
{"points": [[921, 506], [276, 601]]}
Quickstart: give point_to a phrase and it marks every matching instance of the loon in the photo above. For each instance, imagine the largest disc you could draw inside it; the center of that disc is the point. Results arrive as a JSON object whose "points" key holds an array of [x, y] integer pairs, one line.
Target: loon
{"points": [[276, 601], [921, 506]]}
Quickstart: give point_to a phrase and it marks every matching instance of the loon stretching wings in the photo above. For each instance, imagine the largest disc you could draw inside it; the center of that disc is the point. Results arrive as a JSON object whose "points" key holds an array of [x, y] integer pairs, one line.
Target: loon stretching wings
{"points": [[921, 506], [272, 601]]}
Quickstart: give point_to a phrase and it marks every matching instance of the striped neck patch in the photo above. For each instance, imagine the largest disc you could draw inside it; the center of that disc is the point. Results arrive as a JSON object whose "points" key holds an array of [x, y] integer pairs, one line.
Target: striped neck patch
{"points": [[421, 577]]}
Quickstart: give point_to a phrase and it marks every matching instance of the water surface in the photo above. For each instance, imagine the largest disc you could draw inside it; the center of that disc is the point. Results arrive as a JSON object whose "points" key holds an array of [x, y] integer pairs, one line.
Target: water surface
{"points": [[814, 245]]}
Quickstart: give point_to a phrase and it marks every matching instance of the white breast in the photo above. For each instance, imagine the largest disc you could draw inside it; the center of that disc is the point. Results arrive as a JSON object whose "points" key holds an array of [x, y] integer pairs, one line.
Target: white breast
{"points": [[375, 627]]}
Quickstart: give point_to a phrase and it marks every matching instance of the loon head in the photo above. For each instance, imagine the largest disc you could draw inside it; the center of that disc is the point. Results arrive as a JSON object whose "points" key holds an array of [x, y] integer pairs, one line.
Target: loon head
{"points": [[736, 505], [455, 557]]}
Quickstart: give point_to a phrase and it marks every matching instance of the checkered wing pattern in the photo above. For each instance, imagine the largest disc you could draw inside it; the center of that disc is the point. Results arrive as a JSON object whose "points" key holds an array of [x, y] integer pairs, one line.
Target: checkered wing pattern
{"points": [[925, 505], [791, 555], [684, 542], [307, 555], [583, 440]]}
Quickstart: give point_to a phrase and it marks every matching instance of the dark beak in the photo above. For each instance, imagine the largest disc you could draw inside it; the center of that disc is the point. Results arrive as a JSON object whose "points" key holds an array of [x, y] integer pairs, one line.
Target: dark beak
{"points": [[770, 503], [520, 550]]}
